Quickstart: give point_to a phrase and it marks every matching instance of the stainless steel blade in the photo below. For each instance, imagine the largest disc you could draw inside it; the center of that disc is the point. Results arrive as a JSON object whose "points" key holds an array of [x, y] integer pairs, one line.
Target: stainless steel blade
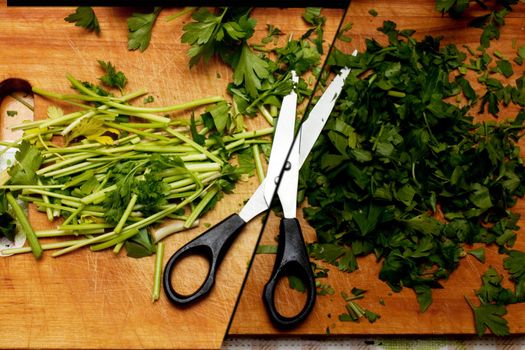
{"points": [[256, 204], [311, 128], [308, 133], [282, 141]]}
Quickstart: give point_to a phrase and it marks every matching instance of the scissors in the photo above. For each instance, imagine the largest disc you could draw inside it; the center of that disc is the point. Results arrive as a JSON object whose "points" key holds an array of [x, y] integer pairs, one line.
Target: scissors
{"points": [[281, 178]]}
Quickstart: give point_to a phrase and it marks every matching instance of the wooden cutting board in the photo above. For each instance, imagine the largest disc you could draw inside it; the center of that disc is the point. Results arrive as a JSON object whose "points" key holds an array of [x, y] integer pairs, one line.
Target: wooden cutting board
{"points": [[449, 313], [100, 300]]}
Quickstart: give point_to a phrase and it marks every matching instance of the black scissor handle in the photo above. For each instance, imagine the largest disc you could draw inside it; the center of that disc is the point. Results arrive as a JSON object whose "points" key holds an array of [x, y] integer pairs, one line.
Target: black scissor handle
{"points": [[213, 244], [292, 258]]}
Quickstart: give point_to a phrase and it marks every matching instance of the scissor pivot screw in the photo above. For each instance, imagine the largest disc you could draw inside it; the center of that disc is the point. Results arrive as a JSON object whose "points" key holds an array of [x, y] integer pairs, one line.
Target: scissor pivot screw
{"points": [[277, 179], [287, 165]]}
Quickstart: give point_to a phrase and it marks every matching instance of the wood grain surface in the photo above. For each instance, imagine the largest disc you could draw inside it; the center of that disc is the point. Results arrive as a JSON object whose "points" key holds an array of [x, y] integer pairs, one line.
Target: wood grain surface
{"points": [[102, 300], [449, 313]]}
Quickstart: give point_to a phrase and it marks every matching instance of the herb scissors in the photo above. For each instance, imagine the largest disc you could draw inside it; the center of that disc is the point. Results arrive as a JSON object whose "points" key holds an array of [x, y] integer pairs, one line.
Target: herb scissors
{"points": [[282, 177]]}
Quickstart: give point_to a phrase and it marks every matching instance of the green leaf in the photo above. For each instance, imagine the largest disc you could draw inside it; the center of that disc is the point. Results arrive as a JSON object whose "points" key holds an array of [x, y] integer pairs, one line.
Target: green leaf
{"points": [[54, 112], [371, 316], [11, 113], [296, 283], [84, 17], [325, 289], [312, 15], [357, 291], [521, 52], [373, 12], [426, 224], [480, 197], [424, 296], [250, 70], [492, 291], [515, 264], [220, 113], [140, 26], [140, 245], [198, 138], [505, 67], [490, 316], [467, 89], [112, 78], [478, 253], [29, 159], [339, 256]]}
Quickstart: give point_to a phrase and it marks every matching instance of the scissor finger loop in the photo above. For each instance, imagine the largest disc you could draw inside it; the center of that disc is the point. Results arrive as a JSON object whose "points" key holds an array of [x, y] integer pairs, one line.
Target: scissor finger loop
{"points": [[292, 259]]}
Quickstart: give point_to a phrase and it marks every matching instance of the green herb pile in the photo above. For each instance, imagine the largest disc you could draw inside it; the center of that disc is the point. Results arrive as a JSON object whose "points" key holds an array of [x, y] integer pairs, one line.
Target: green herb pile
{"points": [[121, 169], [403, 172]]}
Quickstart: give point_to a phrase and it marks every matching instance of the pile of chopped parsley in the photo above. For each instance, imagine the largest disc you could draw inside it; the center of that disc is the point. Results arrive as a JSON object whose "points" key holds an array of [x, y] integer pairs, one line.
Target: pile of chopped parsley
{"points": [[404, 172]]}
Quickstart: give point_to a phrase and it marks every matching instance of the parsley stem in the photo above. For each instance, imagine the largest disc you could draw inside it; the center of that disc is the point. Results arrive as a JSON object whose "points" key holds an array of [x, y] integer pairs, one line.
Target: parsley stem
{"points": [[126, 213], [22, 101], [166, 109], [24, 187], [137, 131], [47, 246], [95, 196], [32, 239], [395, 93], [166, 230], [60, 233], [191, 181], [84, 227], [258, 164], [146, 116], [159, 258], [195, 145], [266, 114], [50, 194], [62, 207], [58, 165], [118, 247], [45, 198], [74, 214], [201, 206]]}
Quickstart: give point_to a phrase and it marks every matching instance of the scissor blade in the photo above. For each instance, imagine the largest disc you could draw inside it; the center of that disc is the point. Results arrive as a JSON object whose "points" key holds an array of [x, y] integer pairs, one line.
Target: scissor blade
{"points": [[282, 140], [308, 133], [256, 204], [311, 128]]}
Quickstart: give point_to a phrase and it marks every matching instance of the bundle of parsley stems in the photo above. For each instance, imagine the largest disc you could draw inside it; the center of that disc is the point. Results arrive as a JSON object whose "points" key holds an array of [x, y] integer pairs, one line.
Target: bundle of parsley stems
{"points": [[114, 177]]}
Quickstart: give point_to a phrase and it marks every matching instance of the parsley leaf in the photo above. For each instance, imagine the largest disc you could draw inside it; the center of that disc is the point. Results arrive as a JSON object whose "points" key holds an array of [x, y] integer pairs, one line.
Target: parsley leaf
{"points": [[505, 68], [339, 256], [515, 264], [140, 26], [296, 283], [222, 32], [250, 69], [85, 17], [112, 78], [478, 253], [140, 245], [490, 316], [29, 159]]}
